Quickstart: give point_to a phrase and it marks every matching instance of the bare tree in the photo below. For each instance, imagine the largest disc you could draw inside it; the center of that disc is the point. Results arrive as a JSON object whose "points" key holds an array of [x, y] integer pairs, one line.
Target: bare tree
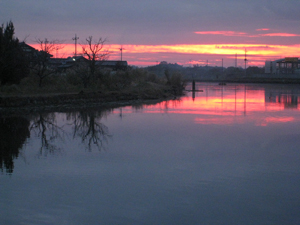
{"points": [[41, 66], [95, 53]]}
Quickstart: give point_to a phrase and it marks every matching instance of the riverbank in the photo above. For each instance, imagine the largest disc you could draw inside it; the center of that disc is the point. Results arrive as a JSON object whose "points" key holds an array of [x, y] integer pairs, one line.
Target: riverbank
{"points": [[70, 101]]}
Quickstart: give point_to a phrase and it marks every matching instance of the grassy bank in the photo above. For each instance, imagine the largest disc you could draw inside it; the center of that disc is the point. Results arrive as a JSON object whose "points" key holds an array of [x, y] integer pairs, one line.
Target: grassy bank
{"points": [[66, 90]]}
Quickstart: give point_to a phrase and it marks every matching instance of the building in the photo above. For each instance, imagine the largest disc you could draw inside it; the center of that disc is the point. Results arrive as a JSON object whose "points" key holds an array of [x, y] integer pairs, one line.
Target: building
{"points": [[113, 65], [62, 64], [288, 65], [33, 55]]}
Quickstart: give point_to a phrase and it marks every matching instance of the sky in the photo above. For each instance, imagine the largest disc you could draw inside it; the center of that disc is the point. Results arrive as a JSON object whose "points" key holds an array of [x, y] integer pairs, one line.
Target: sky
{"points": [[187, 32]]}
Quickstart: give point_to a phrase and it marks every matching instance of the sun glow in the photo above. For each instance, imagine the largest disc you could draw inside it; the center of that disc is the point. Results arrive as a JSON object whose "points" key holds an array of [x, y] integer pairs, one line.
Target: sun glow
{"points": [[150, 54]]}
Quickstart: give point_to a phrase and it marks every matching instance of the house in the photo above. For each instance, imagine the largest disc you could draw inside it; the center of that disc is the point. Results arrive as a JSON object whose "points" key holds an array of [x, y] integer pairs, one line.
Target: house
{"points": [[33, 54], [62, 64]]}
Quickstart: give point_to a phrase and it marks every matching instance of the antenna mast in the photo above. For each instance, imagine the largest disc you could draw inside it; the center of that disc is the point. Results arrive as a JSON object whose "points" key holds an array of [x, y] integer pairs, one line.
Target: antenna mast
{"points": [[75, 38]]}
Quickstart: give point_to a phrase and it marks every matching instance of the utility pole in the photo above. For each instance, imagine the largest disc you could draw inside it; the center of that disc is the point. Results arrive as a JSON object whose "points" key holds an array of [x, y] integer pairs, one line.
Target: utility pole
{"points": [[121, 49], [222, 66], [235, 60], [75, 38], [245, 61]]}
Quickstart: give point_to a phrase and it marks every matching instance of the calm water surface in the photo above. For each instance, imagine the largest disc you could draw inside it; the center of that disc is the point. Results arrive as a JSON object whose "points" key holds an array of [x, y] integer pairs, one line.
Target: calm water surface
{"points": [[225, 155]]}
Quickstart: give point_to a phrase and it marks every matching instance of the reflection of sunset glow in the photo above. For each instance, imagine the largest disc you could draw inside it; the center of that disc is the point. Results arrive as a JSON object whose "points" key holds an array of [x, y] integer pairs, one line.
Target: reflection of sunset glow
{"points": [[279, 120], [228, 105], [219, 121], [269, 120]]}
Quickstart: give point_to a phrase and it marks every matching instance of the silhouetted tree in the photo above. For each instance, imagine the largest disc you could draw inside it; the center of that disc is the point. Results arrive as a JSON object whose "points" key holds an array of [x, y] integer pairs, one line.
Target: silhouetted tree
{"points": [[82, 70], [255, 70], [95, 53], [13, 132], [234, 71], [13, 64], [41, 66]]}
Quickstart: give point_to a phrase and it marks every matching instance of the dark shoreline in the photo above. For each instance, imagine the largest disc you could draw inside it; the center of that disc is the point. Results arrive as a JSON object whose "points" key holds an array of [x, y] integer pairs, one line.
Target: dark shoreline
{"points": [[10, 105]]}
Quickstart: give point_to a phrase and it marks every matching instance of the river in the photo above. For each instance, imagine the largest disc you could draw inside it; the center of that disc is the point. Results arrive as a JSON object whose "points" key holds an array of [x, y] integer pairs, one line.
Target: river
{"points": [[225, 154]]}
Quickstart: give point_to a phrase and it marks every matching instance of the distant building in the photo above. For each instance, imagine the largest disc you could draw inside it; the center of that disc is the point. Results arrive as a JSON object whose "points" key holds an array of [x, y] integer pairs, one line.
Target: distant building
{"points": [[288, 65], [62, 64], [113, 65]]}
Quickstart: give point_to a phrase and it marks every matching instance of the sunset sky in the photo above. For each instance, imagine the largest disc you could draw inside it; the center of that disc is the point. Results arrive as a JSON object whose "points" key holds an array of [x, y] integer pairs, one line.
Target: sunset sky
{"points": [[186, 32]]}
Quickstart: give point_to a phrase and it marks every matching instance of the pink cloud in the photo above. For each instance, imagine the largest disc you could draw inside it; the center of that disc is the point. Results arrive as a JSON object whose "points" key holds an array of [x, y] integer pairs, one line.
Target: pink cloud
{"points": [[280, 35], [262, 29], [225, 33]]}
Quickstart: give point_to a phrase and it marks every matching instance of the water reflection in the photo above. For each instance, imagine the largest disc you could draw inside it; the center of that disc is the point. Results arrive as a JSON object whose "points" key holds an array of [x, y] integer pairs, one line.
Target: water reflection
{"points": [[87, 125], [288, 98], [13, 132], [51, 133], [231, 103], [211, 104], [44, 125], [231, 156]]}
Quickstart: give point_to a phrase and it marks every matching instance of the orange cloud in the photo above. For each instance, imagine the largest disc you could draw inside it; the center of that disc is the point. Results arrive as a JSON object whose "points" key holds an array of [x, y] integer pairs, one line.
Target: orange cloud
{"points": [[235, 33]]}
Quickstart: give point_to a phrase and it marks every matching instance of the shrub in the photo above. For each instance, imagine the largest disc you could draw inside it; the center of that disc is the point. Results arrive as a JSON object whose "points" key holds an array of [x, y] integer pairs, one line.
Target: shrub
{"points": [[177, 82]]}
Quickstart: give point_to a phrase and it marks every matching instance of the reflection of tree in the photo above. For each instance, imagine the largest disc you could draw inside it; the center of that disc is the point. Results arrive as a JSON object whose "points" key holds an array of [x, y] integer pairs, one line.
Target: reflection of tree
{"points": [[45, 125], [87, 125], [13, 132]]}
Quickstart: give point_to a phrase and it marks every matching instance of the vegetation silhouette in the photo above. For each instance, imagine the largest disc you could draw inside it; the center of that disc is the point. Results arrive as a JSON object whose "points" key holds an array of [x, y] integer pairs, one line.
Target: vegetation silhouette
{"points": [[45, 127], [40, 65], [87, 125], [14, 66], [14, 132]]}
